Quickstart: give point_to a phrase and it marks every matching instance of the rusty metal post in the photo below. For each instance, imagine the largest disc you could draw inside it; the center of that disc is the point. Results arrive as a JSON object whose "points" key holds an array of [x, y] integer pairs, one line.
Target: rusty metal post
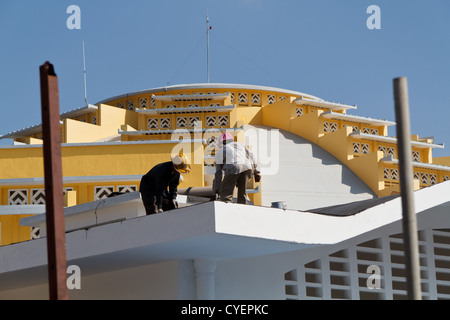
{"points": [[54, 205], [407, 189]]}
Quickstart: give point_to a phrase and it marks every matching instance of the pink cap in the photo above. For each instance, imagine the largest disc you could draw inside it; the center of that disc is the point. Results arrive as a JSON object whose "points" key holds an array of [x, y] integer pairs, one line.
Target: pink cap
{"points": [[224, 137]]}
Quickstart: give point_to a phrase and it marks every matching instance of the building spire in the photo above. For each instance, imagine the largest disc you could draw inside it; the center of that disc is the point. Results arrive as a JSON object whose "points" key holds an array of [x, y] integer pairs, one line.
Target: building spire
{"points": [[84, 70], [208, 27]]}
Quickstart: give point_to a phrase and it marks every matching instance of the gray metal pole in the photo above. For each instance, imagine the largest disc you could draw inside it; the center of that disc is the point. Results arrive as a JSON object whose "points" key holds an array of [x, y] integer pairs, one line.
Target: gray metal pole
{"points": [[407, 189]]}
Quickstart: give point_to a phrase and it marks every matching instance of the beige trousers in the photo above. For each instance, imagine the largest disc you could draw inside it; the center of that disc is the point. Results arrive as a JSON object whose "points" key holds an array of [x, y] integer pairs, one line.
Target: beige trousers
{"points": [[230, 181]]}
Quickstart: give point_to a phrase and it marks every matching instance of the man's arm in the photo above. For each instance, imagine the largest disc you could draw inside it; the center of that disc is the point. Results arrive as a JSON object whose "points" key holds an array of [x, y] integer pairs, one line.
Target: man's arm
{"points": [[252, 159]]}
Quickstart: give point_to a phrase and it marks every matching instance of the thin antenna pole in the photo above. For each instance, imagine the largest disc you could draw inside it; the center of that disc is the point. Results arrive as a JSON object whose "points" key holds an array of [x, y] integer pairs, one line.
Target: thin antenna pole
{"points": [[207, 44], [84, 67]]}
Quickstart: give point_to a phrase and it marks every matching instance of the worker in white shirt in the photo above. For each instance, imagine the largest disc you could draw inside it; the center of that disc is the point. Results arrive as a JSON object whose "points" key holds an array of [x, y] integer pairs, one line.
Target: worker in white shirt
{"points": [[239, 165]]}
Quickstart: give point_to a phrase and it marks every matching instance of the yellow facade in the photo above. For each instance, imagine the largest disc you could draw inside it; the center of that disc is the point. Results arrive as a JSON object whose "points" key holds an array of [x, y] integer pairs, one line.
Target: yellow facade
{"points": [[11, 231], [445, 161], [108, 147]]}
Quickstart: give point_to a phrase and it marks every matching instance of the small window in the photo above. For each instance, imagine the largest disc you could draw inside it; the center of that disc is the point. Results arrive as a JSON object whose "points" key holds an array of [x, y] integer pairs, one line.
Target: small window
{"points": [[256, 98], [232, 97], [194, 121], [223, 121], [210, 121], [243, 97], [143, 103], [103, 192], [17, 196], [181, 122], [165, 123], [152, 123]]}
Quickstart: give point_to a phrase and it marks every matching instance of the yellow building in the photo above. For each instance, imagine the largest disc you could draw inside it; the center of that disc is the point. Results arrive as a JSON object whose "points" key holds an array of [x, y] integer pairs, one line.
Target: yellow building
{"points": [[107, 147]]}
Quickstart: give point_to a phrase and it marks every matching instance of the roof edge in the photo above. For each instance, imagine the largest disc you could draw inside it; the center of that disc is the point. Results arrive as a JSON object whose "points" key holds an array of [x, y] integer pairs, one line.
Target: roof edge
{"points": [[209, 86]]}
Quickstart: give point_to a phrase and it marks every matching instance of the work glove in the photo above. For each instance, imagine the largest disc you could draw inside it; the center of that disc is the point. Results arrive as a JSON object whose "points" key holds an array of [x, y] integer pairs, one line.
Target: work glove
{"points": [[216, 194], [175, 203], [257, 176]]}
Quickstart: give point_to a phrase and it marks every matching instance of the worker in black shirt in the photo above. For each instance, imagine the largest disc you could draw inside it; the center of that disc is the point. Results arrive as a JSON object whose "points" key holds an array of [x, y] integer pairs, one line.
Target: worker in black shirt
{"points": [[154, 184]]}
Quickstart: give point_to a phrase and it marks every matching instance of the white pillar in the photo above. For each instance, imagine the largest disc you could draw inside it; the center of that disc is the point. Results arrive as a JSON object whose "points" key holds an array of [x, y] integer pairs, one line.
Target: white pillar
{"points": [[205, 275]]}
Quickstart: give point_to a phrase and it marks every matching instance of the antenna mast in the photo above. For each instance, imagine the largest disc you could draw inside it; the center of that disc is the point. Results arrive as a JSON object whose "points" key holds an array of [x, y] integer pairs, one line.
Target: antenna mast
{"points": [[84, 67], [207, 44]]}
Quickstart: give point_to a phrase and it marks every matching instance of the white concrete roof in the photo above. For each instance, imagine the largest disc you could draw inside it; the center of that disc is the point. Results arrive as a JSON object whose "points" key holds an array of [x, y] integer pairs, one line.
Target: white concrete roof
{"points": [[22, 209], [35, 129], [212, 230], [38, 127]]}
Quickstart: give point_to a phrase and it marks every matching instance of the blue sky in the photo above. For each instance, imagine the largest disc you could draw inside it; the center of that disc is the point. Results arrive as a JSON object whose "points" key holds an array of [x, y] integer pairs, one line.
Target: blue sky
{"points": [[320, 47]]}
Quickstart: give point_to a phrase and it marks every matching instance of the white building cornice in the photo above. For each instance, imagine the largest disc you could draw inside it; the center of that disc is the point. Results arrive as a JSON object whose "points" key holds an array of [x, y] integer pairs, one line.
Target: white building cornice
{"points": [[178, 131], [212, 86], [323, 104], [192, 97], [391, 160], [359, 135], [28, 131], [166, 110], [358, 119]]}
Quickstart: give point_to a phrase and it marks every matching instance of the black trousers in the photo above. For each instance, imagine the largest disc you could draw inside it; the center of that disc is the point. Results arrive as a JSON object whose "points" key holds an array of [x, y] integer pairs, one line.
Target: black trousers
{"points": [[150, 201], [148, 196]]}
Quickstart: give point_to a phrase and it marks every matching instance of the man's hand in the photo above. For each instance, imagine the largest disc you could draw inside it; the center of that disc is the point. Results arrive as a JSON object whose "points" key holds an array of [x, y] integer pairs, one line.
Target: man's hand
{"points": [[257, 176], [216, 194]]}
